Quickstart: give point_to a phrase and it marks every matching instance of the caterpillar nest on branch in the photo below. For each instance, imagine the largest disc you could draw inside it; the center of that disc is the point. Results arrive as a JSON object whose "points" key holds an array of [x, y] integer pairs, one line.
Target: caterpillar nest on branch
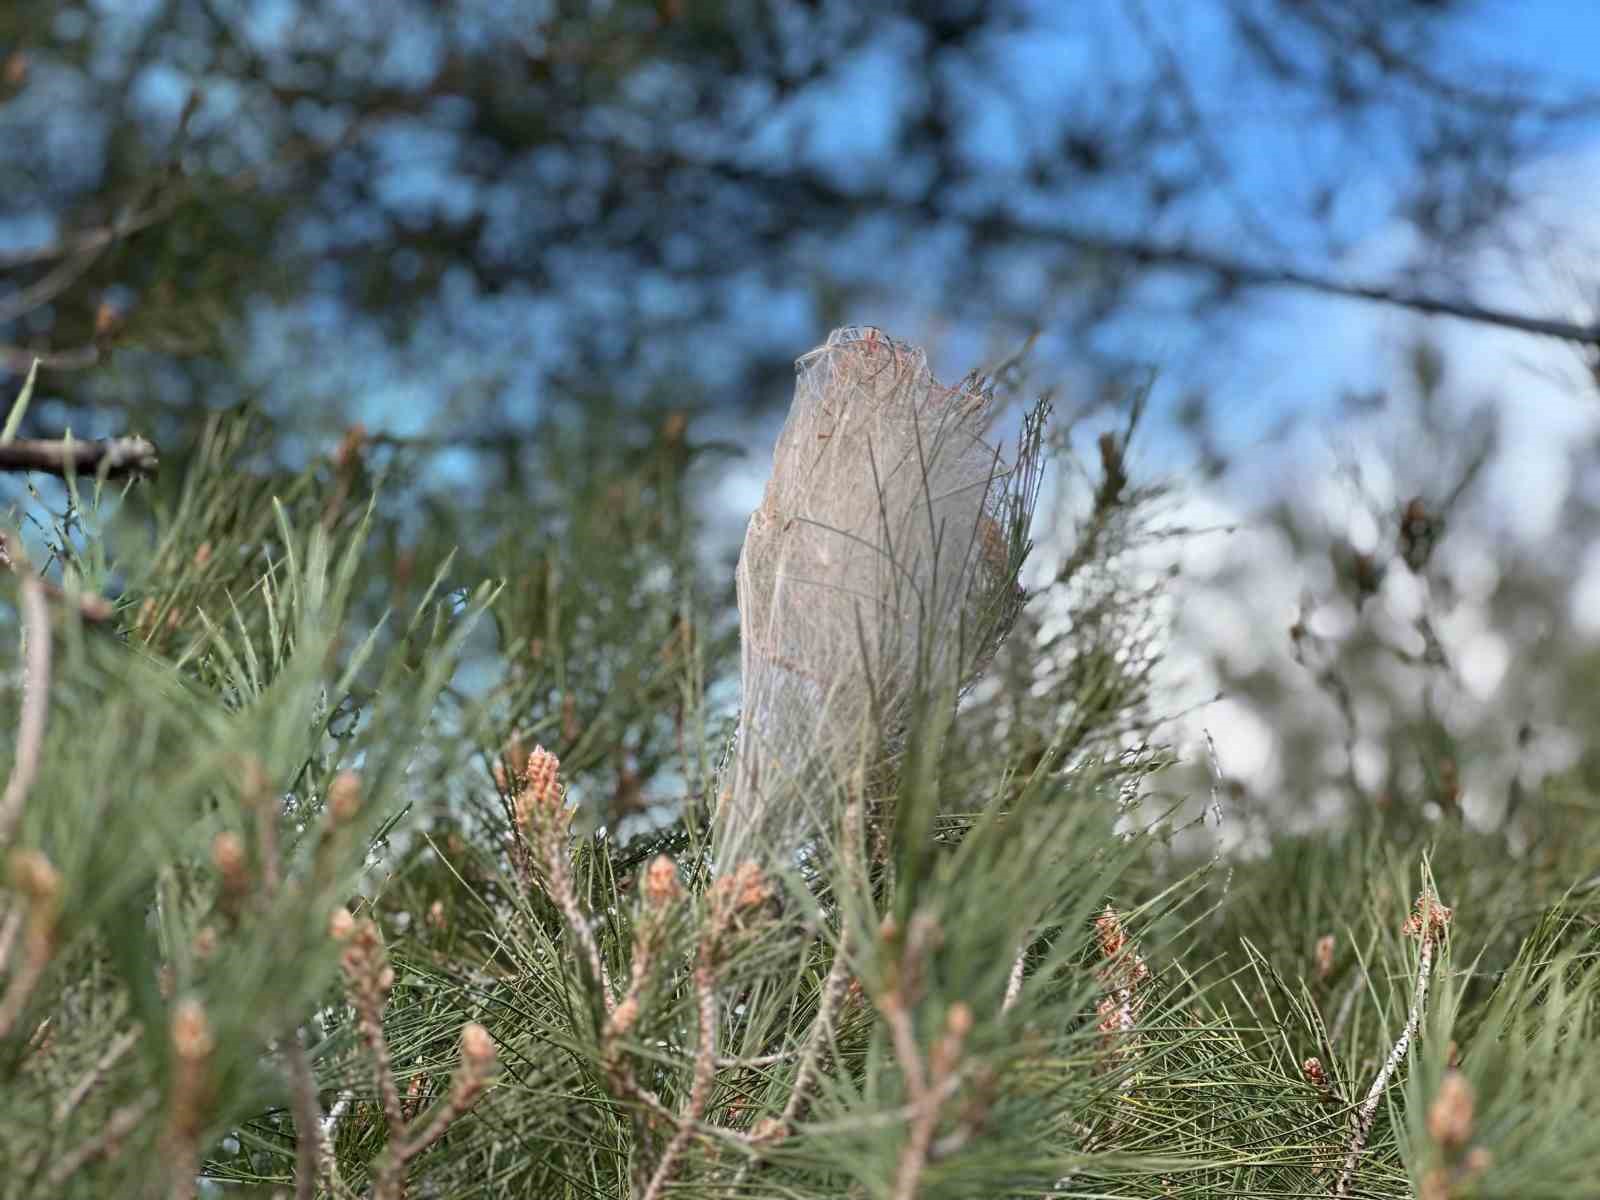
{"points": [[880, 568]]}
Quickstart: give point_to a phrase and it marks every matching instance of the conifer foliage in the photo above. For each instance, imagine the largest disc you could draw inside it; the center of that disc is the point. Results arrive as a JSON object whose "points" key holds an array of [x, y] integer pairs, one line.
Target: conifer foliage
{"points": [[339, 866]]}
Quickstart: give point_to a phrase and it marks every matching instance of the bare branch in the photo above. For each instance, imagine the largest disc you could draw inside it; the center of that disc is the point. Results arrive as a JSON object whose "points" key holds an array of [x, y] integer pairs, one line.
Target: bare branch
{"points": [[307, 1118], [80, 358], [90, 241], [1239, 272], [47, 287], [117, 457], [1429, 922], [998, 226]]}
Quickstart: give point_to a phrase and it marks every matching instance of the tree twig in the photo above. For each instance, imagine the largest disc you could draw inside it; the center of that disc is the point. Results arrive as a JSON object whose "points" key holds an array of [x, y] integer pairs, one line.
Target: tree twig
{"points": [[477, 1064], [307, 1117], [78, 358], [1238, 271], [117, 457], [705, 1069], [327, 1131], [48, 286], [1427, 923], [90, 241], [35, 704], [927, 1085], [1014, 980]]}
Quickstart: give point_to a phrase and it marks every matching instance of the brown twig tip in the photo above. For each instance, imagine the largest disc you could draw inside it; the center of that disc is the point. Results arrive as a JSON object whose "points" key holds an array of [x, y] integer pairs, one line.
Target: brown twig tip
{"points": [[540, 815], [344, 798], [341, 924], [477, 1050], [1108, 930], [661, 885], [35, 877], [731, 899], [726, 901], [190, 1098], [1113, 938], [255, 781], [115, 457], [191, 1032], [232, 863], [1124, 969], [1450, 1115], [365, 964], [511, 768], [1323, 958], [947, 1050], [622, 1019], [368, 981], [1122, 974], [228, 855]]}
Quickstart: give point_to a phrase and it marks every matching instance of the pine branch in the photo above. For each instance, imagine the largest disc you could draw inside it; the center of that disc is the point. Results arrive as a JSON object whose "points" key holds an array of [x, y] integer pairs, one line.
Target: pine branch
{"points": [[1428, 924]]}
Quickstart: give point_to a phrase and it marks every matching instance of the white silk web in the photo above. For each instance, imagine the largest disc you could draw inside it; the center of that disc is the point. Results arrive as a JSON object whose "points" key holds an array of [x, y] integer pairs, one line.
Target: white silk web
{"points": [[881, 560]]}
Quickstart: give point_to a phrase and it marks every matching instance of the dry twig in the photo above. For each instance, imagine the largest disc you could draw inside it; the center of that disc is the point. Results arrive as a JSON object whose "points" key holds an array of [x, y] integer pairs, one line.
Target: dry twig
{"points": [[116, 457], [929, 1083], [1426, 923], [731, 897]]}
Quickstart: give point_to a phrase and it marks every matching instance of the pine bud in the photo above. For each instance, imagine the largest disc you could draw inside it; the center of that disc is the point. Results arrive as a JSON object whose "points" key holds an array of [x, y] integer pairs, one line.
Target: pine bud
{"points": [[344, 797]]}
